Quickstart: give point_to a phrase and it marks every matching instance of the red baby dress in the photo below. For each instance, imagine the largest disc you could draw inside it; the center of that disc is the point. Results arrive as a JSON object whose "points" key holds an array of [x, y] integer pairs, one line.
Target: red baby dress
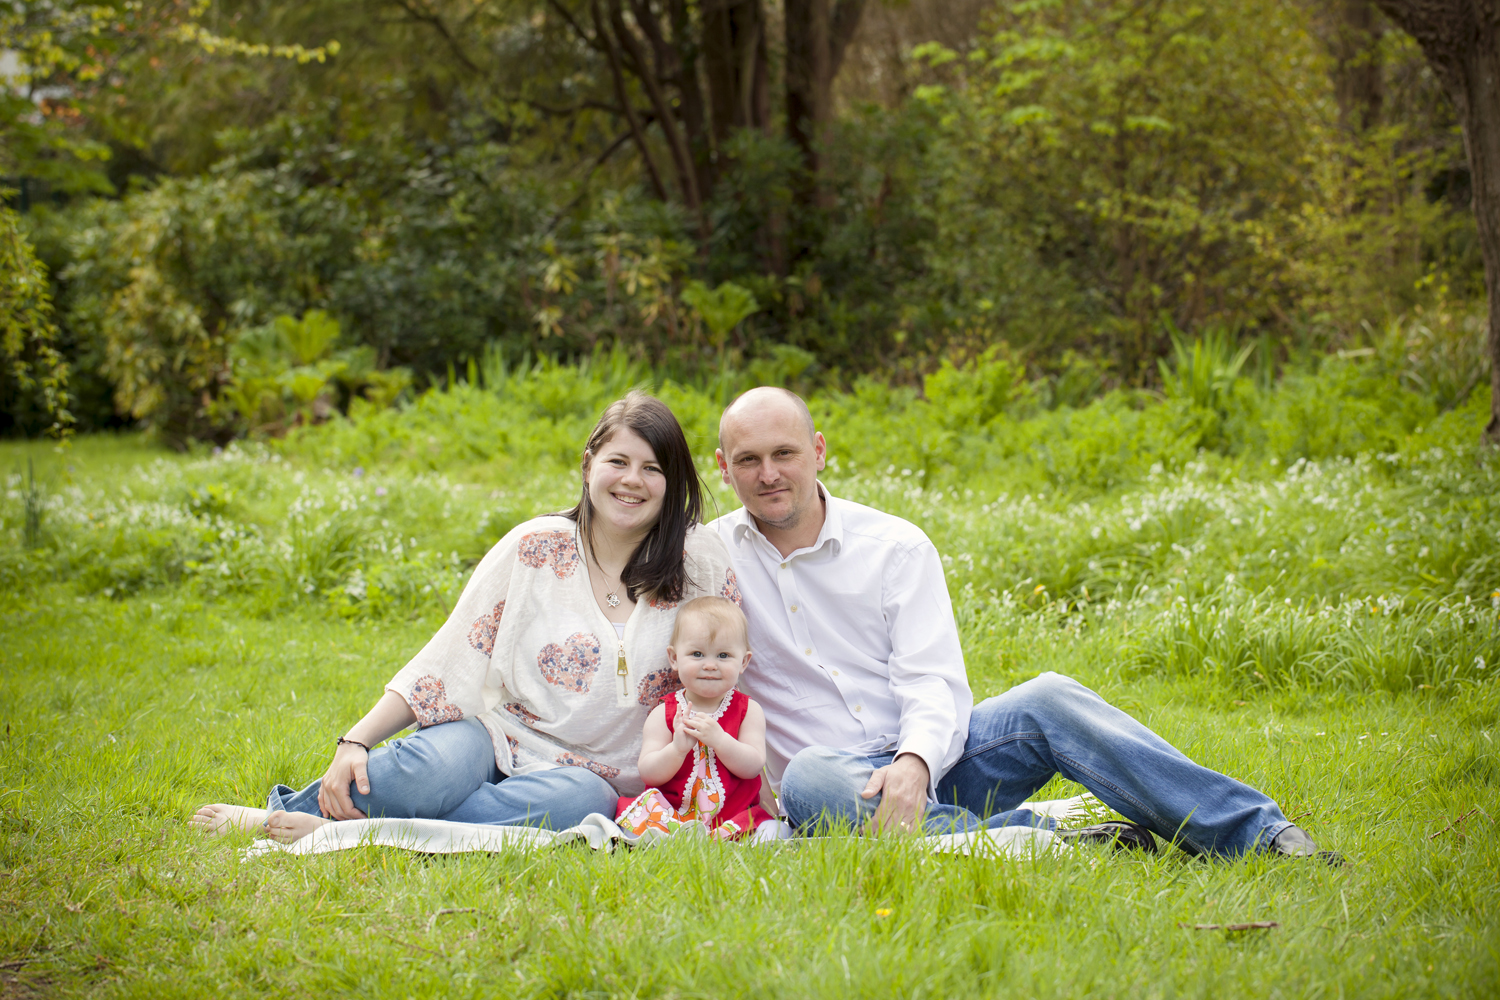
{"points": [[701, 790]]}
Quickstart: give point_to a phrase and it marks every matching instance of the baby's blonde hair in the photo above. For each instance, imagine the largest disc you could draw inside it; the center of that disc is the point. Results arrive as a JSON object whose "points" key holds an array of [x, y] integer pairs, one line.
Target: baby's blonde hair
{"points": [[719, 612]]}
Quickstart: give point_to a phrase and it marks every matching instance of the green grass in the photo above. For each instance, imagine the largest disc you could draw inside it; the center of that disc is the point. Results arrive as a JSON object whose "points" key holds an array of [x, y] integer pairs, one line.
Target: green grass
{"points": [[188, 629], [124, 716]]}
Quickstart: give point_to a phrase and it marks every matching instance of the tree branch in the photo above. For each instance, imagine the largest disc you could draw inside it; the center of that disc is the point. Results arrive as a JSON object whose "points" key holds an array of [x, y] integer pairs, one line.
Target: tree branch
{"points": [[435, 22], [556, 112], [609, 150], [583, 36], [624, 96], [665, 57], [680, 158]]}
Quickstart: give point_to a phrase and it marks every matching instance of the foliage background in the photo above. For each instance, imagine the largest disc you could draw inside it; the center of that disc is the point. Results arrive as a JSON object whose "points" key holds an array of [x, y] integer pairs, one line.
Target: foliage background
{"points": [[1068, 182]]}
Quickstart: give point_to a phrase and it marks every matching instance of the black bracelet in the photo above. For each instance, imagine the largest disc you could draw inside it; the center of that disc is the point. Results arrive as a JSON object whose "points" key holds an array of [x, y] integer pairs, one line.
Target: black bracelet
{"points": [[356, 743]]}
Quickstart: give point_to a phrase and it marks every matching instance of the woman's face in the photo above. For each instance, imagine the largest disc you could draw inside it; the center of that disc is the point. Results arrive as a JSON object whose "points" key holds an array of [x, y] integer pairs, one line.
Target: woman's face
{"points": [[626, 485]]}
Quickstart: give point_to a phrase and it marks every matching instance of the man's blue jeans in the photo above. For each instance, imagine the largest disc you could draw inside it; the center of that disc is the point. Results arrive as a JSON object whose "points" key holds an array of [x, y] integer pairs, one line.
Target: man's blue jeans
{"points": [[448, 772], [1017, 741]]}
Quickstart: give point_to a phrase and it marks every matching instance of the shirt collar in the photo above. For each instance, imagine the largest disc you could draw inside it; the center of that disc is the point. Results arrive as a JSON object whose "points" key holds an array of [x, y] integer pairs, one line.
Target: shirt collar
{"points": [[831, 534]]}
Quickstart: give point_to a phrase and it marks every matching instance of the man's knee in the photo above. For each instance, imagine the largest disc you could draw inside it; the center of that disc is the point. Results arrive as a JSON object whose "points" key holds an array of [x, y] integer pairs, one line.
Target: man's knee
{"points": [[817, 758], [1049, 695], [823, 781]]}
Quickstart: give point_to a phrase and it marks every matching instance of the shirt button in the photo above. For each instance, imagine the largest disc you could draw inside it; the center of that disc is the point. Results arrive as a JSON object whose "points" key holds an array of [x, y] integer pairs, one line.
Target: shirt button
{"points": [[858, 707], [835, 673], [783, 565], [808, 651], [794, 607]]}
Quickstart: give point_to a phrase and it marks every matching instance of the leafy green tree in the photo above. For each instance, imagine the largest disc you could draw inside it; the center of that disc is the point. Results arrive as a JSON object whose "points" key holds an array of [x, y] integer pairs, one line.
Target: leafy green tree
{"points": [[161, 282], [56, 50], [1158, 151], [1461, 39], [34, 367]]}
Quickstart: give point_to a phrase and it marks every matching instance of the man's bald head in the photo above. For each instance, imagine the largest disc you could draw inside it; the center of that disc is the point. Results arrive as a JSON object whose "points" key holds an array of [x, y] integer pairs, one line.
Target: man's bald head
{"points": [[771, 454], [760, 402]]}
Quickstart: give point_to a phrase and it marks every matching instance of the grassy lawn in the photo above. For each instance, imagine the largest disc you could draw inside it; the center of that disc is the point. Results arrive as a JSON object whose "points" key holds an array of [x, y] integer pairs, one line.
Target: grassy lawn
{"points": [[191, 629]]}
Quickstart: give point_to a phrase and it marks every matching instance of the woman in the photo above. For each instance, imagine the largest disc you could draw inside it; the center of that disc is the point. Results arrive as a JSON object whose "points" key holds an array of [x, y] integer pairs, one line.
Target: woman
{"points": [[531, 697]]}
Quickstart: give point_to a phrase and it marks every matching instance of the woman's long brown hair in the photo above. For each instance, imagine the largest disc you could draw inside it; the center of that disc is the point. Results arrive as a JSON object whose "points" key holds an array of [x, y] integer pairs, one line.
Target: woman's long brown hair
{"points": [[656, 568]]}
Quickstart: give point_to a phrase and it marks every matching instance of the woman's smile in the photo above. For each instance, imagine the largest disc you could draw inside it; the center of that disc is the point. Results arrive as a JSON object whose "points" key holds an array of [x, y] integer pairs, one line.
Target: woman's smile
{"points": [[626, 484]]}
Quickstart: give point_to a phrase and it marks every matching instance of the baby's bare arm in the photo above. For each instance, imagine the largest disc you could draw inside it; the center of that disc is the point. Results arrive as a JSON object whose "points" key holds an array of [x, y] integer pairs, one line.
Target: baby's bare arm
{"points": [[661, 749]]}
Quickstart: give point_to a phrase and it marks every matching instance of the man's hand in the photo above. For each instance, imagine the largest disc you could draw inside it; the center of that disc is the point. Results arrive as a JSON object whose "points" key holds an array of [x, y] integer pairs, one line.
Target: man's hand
{"points": [[902, 787]]}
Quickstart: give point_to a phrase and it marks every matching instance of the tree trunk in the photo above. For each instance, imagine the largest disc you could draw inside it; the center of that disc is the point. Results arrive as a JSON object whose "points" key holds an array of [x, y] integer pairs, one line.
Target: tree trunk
{"points": [[650, 74], [672, 48], [817, 34], [735, 64], [1352, 30], [1461, 40], [677, 62], [737, 68], [622, 94]]}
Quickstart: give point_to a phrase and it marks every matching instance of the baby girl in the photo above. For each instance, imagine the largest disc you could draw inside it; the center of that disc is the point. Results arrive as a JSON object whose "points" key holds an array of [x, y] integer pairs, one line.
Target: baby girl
{"points": [[703, 747]]}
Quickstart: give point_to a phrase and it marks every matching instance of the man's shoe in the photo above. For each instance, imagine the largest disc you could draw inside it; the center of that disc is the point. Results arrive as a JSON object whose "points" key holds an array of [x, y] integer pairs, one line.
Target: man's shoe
{"points": [[1115, 832], [1295, 843]]}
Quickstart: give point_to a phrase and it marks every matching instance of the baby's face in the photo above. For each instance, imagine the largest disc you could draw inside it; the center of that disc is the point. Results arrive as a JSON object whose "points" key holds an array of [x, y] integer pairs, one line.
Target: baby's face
{"points": [[709, 667]]}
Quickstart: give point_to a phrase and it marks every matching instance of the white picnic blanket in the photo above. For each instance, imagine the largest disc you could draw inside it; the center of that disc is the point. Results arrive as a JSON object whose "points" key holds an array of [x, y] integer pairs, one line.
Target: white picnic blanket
{"points": [[599, 832]]}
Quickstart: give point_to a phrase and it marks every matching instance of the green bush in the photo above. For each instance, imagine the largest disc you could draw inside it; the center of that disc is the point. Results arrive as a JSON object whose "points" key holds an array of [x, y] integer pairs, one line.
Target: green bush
{"points": [[1381, 644], [1115, 505]]}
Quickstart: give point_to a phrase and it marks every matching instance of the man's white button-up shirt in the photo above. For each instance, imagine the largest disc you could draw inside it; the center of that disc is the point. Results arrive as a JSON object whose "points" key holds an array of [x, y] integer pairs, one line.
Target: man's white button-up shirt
{"points": [[854, 641]]}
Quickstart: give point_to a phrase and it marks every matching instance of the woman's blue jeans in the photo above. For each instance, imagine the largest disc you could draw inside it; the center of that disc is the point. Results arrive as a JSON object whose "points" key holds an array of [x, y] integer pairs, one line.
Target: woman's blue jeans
{"points": [[1017, 741], [448, 772]]}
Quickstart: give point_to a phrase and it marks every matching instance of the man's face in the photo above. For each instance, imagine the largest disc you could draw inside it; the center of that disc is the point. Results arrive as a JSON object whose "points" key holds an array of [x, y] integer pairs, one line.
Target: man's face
{"points": [[771, 461]]}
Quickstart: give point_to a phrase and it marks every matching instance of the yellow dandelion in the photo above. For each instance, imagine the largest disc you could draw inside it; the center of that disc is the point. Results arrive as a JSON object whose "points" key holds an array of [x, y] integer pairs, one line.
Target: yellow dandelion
{"points": [[882, 914], [1039, 588]]}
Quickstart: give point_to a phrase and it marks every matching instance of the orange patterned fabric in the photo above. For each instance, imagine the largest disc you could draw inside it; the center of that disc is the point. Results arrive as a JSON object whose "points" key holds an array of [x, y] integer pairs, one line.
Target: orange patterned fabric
{"points": [[701, 791]]}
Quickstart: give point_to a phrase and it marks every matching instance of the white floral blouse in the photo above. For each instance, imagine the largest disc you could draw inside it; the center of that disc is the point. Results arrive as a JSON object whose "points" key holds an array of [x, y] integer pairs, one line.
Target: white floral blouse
{"points": [[529, 653]]}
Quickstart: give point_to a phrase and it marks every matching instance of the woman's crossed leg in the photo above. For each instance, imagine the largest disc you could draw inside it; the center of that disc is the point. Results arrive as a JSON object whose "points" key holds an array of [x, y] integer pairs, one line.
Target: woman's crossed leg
{"points": [[446, 772]]}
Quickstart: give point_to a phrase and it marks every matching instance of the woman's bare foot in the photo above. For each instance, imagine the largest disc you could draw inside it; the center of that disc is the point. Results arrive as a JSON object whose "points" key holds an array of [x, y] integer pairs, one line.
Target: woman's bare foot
{"points": [[220, 819], [289, 826]]}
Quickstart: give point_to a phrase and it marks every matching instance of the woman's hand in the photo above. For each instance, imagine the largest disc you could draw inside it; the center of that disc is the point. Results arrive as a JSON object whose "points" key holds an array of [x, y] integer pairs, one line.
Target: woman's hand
{"points": [[348, 767], [390, 715]]}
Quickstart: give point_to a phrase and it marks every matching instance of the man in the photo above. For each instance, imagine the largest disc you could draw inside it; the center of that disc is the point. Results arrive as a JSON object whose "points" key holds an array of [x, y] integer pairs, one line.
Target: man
{"points": [[869, 716]]}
